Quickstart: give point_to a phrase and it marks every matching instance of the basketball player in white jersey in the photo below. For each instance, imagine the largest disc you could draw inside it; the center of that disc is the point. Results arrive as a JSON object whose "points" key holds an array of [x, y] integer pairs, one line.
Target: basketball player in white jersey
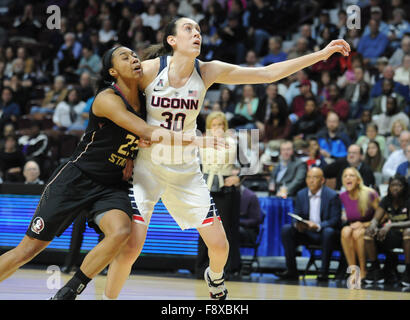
{"points": [[175, 86]]}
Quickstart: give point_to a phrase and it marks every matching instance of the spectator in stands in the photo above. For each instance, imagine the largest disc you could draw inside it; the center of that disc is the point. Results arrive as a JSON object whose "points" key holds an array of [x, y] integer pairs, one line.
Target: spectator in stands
{"points": [[379, 103], [392, 140], [333, 140], [374, 44], [53, 97], [251, 60], [28, 61], [324, 22], [89, 62], [357, 127], [372, 135], [26, 25], [310, 122], [68, 57], [374, 158], [389, 229], [402, 73], [335, 103], [294, 87], [31, 173], [300, 49], [67, 116], [85, 89], [221, 176], [357, 94], [275, 52], [288, 177], [397, 157], [403, 168], [249, 216], [9, 110], [325, 81], [107, 35], [34, 144], [314, 158], [151, 18], [11, 160], [354, 159], [320, 209], [376, 15], [278, 126], [245, 109], [298, 103], [385, 120], [397, 58], [227, 102], [397, 28], [306, 32], [265, 105], [8, 130], [398, 88], [360, 203]]}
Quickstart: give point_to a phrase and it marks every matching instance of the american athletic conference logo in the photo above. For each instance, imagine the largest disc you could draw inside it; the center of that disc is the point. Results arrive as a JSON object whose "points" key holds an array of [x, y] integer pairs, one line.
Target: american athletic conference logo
{"points": [[38, 225]]}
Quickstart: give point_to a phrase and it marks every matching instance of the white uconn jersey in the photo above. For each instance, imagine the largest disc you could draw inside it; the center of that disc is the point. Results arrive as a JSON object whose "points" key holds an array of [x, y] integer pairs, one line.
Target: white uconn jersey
{"points": [[173, 108]]}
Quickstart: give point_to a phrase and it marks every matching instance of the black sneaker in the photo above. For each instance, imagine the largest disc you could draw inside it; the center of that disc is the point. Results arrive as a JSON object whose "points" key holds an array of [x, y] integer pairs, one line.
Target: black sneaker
{"points": [[65, 293], [405, 281], [374, 276]]}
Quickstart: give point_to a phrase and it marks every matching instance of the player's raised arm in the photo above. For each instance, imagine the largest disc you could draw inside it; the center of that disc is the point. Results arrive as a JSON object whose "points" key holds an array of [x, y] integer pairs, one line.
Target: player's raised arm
{"points": [[221, 72]]}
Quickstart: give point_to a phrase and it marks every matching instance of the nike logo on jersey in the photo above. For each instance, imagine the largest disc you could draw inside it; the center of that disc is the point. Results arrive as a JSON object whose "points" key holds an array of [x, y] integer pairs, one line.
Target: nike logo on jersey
{"points": [[174, 103]]}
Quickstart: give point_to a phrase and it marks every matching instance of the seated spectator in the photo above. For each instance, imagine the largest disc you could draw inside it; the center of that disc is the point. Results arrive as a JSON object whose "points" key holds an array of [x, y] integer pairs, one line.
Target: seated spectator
{"points": [[374, 158], [314, 158], [278, 126], [26, 25], [335, 103], [11, 160], [9, 110], [325, 81], [306, 32], [298, 103], [402, 73], [68, 57], [389, 229], [320, 208], [226, 102], [107, 34], [324, 23], [89, 62], [357, 94], [53, 97], [34, 144], [398, 88], [300, 49], [275, 52], [397, 58], [288, 177], [67, 116], [379, 103], [392, 140], [245, 109], [8, 130], [397, 157], [374, 44], [310, 122], [398, 27], [332, 139], [151, 18], [357, 127], [403, 168], [372, 135], [376, 14], [360, 203], [354, 159], [31, 173], [85, 89], [265, 105], [386, 119], [249, 216], [251, 60], [294, 87]]}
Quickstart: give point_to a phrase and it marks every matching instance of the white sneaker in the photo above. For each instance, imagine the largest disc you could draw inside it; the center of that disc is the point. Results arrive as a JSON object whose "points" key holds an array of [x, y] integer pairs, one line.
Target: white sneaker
{"points": [[217, 289]]}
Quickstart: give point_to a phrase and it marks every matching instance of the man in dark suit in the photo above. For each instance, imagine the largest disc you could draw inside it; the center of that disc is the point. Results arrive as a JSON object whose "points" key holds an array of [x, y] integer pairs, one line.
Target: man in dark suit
{"points": [[288, 177], [354, 159], [320, 208], [249, 216]]}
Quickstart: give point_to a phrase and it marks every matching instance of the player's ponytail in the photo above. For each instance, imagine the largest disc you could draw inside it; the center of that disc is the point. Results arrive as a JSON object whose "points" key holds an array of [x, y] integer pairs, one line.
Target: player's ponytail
{"points": [[105, 78], [164, 48]]}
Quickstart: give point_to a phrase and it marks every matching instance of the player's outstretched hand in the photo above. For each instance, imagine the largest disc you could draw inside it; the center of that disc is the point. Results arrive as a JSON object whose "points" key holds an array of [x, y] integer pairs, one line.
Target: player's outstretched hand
{"points": [[209, 141], [334, 46]]}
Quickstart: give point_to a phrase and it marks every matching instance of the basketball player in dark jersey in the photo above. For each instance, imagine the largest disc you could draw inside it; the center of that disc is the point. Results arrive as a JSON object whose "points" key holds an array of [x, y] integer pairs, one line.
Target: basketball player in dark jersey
{"points": [[95, 178]]}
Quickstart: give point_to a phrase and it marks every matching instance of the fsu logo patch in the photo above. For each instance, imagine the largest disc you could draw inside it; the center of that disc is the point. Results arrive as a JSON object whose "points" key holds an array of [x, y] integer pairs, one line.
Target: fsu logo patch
{"points": [[38, 225]]}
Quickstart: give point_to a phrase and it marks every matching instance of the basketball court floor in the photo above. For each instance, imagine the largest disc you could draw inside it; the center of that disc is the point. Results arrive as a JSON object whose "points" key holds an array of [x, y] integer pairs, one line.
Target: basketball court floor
{"points": [[37, 284]]}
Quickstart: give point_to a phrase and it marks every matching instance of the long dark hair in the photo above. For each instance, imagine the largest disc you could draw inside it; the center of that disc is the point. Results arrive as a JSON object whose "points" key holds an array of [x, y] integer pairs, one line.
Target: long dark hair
{"points": [[105, 78], [164, 48], [404, 193], [376, 162]]}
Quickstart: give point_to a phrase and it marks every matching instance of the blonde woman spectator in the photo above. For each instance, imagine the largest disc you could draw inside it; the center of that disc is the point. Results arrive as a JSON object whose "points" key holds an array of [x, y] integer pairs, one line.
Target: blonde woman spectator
{"points": [[392, 142], [402, 73], [360, 203]]}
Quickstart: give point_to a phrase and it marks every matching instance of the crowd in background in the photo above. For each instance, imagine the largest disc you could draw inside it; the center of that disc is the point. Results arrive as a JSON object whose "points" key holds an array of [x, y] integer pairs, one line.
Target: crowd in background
{"points": [[343, 112]]}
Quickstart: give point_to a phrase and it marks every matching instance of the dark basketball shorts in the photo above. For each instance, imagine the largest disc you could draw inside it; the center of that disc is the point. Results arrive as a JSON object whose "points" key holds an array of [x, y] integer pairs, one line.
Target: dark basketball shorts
{"points": [[69, 192]]}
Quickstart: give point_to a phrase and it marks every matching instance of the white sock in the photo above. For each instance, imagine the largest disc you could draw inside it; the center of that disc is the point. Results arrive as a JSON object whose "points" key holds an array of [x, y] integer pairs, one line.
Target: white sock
{"points": [[214, 275], [104, 297]]}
